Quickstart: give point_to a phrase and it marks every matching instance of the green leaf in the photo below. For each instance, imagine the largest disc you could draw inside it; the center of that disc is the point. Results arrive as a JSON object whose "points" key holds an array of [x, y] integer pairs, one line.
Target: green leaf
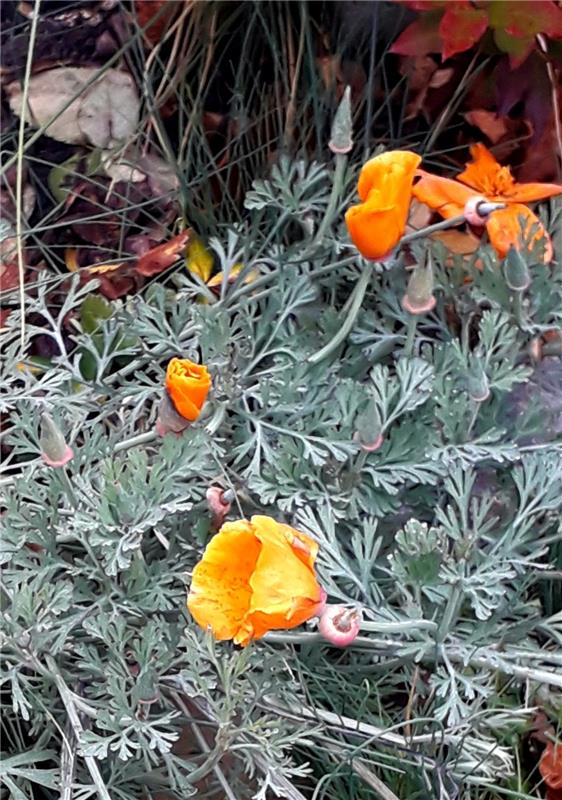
{"points": [[94, 310]]}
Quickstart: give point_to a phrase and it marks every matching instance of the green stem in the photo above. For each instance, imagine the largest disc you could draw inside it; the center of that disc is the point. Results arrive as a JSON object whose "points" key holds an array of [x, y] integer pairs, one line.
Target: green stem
{"points": [[337, 184], [354, 304], [410, 335], [518, 309]]}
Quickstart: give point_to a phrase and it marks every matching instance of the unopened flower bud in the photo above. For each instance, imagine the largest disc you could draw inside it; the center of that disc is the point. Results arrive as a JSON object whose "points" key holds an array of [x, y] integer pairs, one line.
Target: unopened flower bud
{"points": [[341, 140], [478, 385], [368, 428], [478, 209], [219, 503], [54, 450], [419, 298], [340, 625], [169, 421], [516, 271]]}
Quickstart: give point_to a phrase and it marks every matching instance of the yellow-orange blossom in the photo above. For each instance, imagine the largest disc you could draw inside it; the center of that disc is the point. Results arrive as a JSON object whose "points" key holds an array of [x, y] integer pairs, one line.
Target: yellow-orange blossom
{"points": [[377, 224], [187, 385], [486, 178], [255, 576]]}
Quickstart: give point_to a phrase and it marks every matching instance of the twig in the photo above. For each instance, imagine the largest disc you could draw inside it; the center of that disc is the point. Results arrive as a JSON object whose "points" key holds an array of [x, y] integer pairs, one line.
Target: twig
{"points": [[356, 300], [555, 104], [19, 167], [361, 769], [229, 794], [68, 702], [67, 765]]}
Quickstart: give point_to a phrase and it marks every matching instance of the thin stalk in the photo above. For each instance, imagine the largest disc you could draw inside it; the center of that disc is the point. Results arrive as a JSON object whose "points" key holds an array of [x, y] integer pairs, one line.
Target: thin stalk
{"points": [[355, 301], [337, 185], [410, 335], [518, 309], [19, 167], [74, 718]]}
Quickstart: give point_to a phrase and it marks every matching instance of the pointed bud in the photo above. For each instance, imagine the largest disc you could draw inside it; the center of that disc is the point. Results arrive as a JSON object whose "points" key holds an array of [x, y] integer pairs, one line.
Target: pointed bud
{"points": [[219, 503], [54, 450], [419, 298], [368, 428], [516, 271], [340, 625], [342, 126], [478, 386], [169, 421]]}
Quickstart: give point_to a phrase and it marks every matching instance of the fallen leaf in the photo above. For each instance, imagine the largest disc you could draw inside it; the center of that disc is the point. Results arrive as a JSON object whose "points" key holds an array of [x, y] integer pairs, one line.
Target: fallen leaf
{"points": [[9, 276], [550, 765], [421, 36], [461, 27], [163, 256], [461, 243], [491, 124], [102, 114], [419, 216], [517, 24], [161, 11], [199, 259], [216, 281]]}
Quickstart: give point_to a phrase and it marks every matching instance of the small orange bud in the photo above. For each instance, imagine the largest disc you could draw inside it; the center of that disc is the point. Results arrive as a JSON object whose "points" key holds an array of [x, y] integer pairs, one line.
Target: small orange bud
{"points": [[187, 385]]}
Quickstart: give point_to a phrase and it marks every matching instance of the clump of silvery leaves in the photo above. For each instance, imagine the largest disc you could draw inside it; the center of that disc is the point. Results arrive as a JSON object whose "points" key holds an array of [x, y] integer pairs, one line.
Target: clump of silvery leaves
{"points": [[446, 534]]}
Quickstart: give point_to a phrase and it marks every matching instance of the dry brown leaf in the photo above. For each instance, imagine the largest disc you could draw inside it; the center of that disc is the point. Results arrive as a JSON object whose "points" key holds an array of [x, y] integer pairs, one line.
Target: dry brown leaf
{"points": [[103, 114], [163, 256]]}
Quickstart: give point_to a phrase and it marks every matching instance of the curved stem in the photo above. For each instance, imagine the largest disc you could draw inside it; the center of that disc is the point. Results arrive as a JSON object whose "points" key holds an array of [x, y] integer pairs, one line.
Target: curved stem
{"points": [[354, 305], [411, 335], [337, 184]]}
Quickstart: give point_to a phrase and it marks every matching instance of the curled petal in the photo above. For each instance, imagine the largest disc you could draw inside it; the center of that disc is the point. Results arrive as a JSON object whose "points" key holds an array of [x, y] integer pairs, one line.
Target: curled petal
{"points": [[385, 186], [505, 230], [390, 171], [220, 593], [187, 385], [444, 195], [255, 577]]}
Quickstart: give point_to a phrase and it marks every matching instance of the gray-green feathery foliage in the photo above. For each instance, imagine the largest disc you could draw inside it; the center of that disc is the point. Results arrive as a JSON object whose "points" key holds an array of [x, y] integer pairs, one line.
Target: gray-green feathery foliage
{"points": [[447, 535]]}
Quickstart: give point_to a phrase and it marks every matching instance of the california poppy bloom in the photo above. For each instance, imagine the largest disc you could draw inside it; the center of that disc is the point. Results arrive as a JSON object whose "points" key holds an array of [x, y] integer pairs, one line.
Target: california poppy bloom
{"points": [[187, 385], [255, 576], [377, 224], [484, 177]]}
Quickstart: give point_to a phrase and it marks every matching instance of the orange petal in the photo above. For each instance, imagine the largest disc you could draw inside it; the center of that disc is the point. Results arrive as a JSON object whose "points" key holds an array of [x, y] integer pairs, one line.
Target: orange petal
{"points": [[444, 195], [285, 591], [220, 593], [393, 170], [530, 192], [505, 230], [485, 174]]}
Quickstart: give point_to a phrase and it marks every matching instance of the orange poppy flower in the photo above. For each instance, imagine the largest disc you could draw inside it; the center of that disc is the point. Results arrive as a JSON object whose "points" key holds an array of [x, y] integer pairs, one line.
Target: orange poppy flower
{"points": [[486, 178], [377, 224], [187, 385], [255, 576]]}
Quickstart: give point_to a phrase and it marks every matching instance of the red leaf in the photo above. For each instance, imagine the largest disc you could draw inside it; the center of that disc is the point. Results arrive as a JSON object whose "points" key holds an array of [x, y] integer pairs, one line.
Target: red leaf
{"points": [[160, 258], [425, 5], [461, 27], [550, 765], [421, 37], [526, 18], [529, 17]]}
